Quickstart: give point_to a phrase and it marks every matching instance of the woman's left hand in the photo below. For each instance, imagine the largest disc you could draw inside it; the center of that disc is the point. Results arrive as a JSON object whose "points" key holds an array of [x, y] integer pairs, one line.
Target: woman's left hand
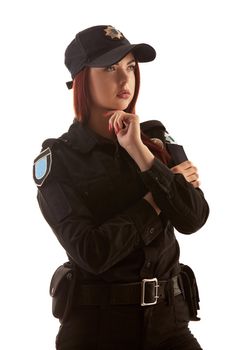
{"points": [[126, 127], [189, 171]]}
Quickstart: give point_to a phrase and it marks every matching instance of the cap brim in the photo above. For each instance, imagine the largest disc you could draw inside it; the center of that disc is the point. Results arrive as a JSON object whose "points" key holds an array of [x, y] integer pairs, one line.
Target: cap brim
{"points": [[142, 53]]}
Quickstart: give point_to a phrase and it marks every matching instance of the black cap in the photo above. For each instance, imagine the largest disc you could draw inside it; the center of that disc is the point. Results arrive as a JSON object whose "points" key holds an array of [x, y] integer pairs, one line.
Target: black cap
{"points": [[102, 46]]}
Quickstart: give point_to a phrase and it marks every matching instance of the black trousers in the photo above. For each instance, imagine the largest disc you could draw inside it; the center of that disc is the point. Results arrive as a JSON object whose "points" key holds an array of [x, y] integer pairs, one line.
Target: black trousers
{"points": [[159, 327]]}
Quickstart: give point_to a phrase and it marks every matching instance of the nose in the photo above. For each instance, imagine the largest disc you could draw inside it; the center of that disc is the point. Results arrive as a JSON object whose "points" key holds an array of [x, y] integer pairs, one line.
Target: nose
{"points": [[123, 76]]}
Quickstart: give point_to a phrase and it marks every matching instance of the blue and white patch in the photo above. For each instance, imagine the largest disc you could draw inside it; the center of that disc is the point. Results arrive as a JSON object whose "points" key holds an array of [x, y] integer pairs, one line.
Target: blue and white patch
{"points": [[42, 166]]}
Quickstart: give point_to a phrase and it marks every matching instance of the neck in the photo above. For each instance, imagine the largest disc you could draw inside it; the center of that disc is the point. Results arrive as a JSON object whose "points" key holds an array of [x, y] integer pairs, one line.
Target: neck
{"points": [[99, 124]]}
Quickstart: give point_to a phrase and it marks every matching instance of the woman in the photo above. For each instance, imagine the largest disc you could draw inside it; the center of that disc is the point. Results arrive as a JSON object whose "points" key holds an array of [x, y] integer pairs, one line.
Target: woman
{"points": [[113, 191]]}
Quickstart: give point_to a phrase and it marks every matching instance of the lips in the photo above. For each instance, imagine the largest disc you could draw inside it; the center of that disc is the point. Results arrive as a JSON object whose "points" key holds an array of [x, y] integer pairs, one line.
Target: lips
{"points": [[125, 94]]}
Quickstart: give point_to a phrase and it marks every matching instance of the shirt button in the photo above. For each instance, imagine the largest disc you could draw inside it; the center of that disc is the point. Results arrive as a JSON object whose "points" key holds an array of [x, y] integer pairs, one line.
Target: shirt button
{"points": [[152, 230], [148, 264]]}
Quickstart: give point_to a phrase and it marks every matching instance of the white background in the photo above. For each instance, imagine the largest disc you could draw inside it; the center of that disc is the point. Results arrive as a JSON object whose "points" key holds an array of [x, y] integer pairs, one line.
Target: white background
{"points": [[188, 87]]}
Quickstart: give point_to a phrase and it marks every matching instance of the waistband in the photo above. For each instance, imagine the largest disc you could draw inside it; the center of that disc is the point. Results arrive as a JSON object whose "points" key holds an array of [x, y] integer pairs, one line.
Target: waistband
{"points": [[144, 293]]}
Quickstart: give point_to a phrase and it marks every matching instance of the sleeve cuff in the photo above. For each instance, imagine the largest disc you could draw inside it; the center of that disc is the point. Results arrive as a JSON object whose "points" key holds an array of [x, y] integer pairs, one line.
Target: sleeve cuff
{"points": [[158, 175]]}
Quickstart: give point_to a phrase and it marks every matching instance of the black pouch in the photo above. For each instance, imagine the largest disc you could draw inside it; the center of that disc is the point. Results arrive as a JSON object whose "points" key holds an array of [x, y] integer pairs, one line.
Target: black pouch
{"points": [[61, 287], [190, 291]]}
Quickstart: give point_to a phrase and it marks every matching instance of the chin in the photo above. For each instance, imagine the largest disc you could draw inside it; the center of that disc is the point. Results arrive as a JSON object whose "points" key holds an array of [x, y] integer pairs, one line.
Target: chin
{"points": [[121, 105]]}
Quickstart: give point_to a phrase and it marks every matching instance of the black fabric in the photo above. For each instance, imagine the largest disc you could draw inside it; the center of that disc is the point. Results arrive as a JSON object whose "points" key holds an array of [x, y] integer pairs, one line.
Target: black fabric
{"points": [[176, 197], [163, 326], [177, 152], [190, 291], [93, 201], [58, 205], [61, 289]]}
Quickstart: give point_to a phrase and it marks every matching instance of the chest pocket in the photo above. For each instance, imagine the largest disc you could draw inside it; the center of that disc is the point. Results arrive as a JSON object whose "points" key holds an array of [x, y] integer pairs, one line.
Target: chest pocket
{"points": [[98, 195]]}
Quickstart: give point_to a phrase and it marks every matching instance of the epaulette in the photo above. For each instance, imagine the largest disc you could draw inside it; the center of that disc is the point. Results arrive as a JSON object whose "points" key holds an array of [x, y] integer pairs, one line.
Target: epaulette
{"points": [[151, 124], [43, 162], [50, 143], [153, 129]]}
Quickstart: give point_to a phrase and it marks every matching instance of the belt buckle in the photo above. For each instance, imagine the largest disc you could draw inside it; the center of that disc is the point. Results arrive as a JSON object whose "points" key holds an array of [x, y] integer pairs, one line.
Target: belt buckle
{"points": [[143, 287]]}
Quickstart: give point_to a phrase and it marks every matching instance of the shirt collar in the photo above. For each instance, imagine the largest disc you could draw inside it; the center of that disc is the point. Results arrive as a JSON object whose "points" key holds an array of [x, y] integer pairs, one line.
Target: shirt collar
{"points": [[84, 139], [81, 137]]}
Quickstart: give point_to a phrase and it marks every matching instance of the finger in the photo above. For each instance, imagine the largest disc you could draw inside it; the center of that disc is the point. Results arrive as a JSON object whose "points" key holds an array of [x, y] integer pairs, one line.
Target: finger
{"points": [[181, 167], [185, 165], [112, 115], [192, 178], [178, 169], [111, 121], [109, 113], [121, 120], [190, 172], [196, 184], [117, 122]]}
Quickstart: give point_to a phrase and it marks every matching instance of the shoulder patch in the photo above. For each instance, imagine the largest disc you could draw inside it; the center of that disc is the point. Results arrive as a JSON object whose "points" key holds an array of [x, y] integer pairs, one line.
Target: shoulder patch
{"points": [[42, 166]]}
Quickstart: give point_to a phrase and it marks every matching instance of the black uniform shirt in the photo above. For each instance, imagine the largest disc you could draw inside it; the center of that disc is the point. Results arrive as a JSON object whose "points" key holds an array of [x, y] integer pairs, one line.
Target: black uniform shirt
{"points": [[91, 192]]}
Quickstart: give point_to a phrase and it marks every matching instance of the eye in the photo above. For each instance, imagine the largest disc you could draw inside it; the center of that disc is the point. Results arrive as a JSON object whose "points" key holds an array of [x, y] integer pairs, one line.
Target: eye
{"points": [[132, 67], [110, 68]]}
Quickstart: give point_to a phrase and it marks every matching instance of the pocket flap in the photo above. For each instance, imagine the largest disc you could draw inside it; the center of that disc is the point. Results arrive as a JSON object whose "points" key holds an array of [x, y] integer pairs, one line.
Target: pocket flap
{"points": [[63, 272]]}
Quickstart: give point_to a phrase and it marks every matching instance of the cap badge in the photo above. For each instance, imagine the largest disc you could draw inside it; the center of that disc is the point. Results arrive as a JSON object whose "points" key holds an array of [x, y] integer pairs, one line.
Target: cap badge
{"points": [[113, 33]]}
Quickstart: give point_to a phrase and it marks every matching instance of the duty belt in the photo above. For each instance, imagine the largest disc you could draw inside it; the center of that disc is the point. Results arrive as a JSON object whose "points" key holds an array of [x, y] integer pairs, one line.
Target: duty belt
{"points": [[144, 293]]}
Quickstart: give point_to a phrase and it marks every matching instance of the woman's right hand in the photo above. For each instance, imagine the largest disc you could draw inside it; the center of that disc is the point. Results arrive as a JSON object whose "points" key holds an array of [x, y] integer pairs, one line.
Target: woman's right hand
{"points": [[126, 127], [149, 198]]}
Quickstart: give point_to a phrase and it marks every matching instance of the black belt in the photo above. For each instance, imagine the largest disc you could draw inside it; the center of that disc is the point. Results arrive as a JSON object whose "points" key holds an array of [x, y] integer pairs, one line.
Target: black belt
{"points": [[146, 292]]}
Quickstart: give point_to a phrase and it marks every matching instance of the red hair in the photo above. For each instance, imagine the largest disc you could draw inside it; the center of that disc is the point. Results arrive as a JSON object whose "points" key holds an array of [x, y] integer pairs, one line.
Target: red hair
{"points": [[81, 98], [82, 101]]}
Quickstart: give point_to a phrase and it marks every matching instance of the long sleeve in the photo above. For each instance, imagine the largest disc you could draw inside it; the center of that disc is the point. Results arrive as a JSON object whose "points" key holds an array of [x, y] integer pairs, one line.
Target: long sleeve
{"points": [[95, 248], [184, 205]]}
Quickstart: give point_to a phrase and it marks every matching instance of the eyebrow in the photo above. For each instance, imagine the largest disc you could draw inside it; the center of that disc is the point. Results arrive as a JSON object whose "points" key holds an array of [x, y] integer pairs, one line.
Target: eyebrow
{"points": [[132, 61]]}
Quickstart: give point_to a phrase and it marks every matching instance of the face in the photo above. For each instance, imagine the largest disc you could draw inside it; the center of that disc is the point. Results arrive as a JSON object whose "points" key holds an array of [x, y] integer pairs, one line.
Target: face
{"points": [[113, 87]]}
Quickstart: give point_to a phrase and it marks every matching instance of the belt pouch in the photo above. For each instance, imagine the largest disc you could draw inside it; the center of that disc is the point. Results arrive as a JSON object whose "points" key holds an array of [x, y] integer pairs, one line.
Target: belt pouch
{"points": [[60, 289], [190, 291]]}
